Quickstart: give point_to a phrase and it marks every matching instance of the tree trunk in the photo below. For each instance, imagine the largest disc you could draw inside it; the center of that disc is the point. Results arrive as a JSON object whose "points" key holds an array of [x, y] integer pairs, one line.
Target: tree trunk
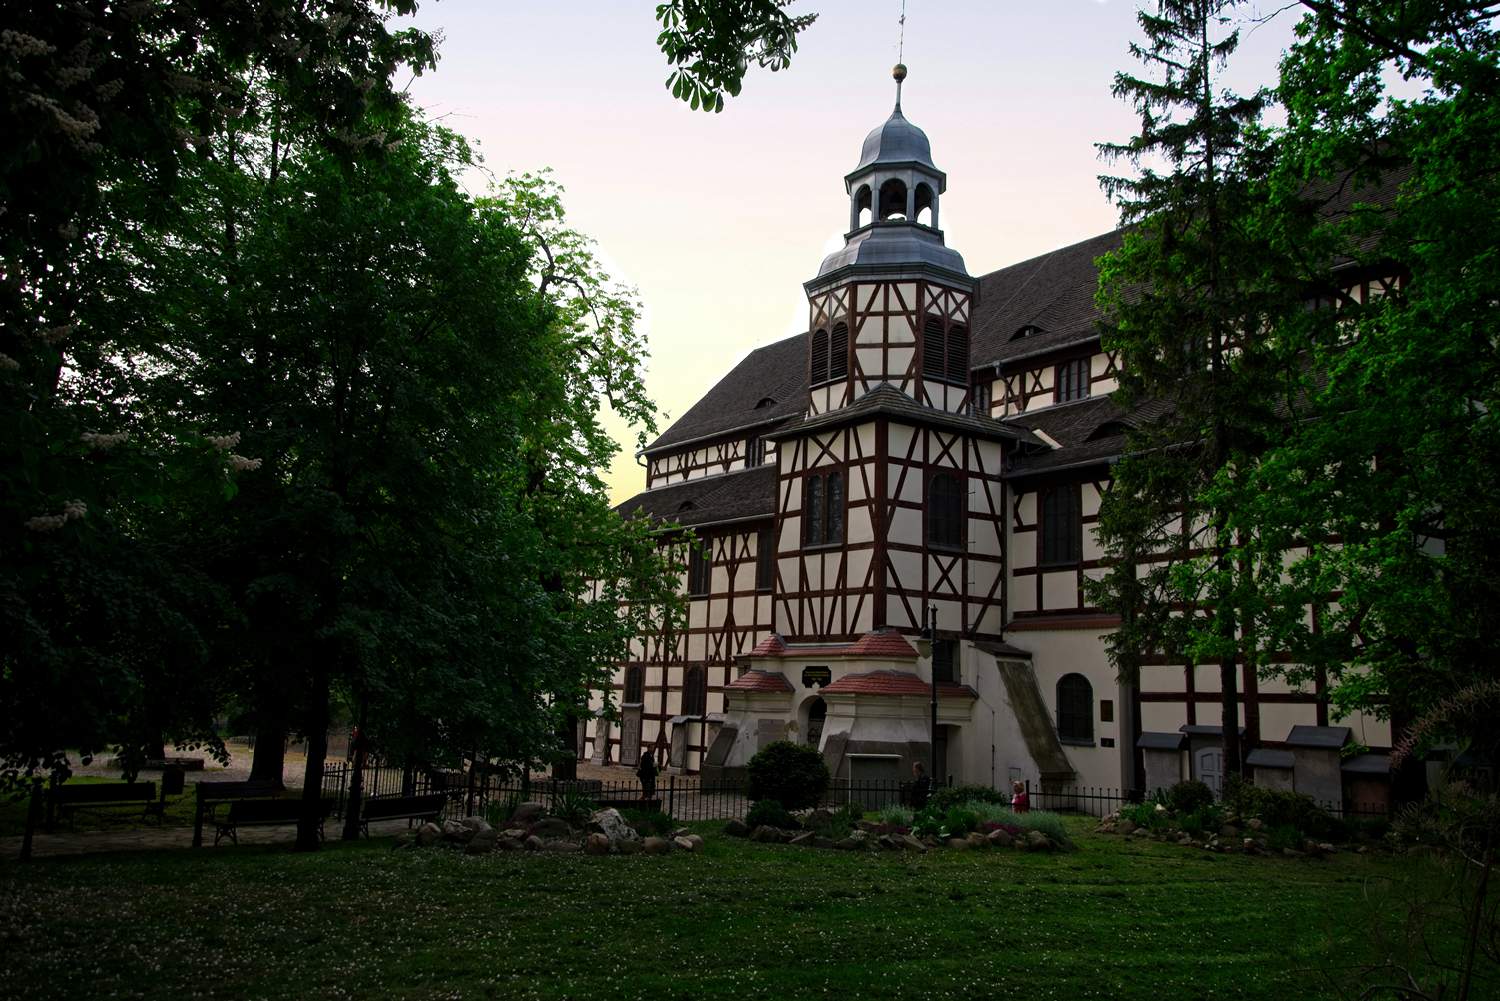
{"points": [[357, 774], [308, 827], [269, 759]]}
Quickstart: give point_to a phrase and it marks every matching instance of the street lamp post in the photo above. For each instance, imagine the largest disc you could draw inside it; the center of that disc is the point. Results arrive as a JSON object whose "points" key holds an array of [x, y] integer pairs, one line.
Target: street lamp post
{"points": [[924, 647]]}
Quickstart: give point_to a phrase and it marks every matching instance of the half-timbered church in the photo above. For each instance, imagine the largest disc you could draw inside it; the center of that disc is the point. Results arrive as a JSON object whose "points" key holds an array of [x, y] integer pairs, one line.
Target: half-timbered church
{"points": [[902, 496]]}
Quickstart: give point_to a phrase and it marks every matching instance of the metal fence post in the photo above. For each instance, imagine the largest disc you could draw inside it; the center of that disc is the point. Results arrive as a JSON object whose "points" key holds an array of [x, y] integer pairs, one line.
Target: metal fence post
{"points": [[671, 795]]}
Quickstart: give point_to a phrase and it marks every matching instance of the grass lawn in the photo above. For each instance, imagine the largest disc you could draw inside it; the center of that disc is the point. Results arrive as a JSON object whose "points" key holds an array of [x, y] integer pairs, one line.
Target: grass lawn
{"points": [[1113, 920]]}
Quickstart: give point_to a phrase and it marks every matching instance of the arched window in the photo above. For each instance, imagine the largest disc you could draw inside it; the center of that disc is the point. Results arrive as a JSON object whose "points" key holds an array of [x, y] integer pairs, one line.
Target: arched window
{"points": [[695, 692], [819, 372], [945, 511], [892, 199], [817, 714], [838, 352], [862, 208], [932, 349], [926, 205], [958, 353], [823, 521], [635, 685], [1075, 709]]}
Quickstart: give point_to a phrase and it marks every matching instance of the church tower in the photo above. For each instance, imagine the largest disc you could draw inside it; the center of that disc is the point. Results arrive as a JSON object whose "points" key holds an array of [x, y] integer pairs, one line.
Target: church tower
{"points": [[892, 305]]}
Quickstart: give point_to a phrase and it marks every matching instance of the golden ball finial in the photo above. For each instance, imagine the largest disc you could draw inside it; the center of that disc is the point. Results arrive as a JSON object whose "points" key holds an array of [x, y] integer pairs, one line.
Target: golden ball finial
{"points": [[899, 72]]}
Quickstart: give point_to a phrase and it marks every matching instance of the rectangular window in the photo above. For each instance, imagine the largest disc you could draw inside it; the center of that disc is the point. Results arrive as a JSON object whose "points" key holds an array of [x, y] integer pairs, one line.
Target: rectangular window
{"points": [[945, 661], [698, 571], [823, 514], [1061, 526], [981, 399], [812, 515], [1106, 710], [755, 452], [1072, 380], [765, 559]]}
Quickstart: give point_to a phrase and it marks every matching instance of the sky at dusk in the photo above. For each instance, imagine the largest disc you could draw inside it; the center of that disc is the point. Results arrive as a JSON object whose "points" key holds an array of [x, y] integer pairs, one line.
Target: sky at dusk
{"points": [[718, 219]]}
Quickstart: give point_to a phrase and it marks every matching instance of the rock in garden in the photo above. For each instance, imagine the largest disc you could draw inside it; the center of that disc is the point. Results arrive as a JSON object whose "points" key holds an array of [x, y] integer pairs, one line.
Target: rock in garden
{"points": [[526, 813], [696, 840], [685, 843], [551, 827], [1254, 823], [656, 846], [1037, 841], [818, 818], [509, 844], [912, 844], [429, 834], [681, 832], [519, 833], [534, 843], [454, 831], [562, 846], [1126, 826], [1229, 831], [737, 829], [860, 837], [1000, 839], [406, 839], [1291, 853], [476, 824], [766, 834], [959, 844], [597, 844], [629, 848], [887, 842], [803, 838], [483, 842], [609, 823], [848, 844], [1327, 848], [977, 840]]}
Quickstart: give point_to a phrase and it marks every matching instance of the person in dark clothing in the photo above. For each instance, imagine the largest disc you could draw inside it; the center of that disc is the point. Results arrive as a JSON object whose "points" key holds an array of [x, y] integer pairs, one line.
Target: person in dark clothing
{"points": [[921, 786], [647, 774]]}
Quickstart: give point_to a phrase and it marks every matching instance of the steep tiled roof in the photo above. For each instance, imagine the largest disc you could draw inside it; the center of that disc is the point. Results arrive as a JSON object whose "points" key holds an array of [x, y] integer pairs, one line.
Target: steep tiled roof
{"points": [[760, 681], [887, 399], [749, 493], [1053, 293], [895, 683], [777, 372]]}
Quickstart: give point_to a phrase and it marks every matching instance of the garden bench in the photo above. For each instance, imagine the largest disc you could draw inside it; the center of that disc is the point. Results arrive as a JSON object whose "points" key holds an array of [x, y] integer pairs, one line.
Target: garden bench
{"points": [[265, 813], [425, 807], [70, 800]]}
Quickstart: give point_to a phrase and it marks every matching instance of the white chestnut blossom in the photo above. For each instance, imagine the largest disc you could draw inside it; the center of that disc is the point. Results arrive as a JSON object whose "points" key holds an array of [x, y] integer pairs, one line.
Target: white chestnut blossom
{"points": [[94, 439], [240, 464], [7, 363], [224, 442]]}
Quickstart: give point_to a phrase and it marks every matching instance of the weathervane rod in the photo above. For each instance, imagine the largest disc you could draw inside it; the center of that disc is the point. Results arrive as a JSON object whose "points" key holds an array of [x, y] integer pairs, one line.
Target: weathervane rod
{"points": [[900, 71]]}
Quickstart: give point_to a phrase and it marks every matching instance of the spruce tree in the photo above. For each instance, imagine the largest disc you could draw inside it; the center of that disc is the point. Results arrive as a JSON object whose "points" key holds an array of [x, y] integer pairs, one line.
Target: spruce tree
{"points": [[1184, 301]]}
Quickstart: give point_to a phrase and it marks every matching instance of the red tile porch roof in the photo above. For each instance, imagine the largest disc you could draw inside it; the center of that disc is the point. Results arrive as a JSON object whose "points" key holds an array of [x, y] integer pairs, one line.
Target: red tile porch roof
{"points": [[759, 681], [880, 643], [895, 683]]}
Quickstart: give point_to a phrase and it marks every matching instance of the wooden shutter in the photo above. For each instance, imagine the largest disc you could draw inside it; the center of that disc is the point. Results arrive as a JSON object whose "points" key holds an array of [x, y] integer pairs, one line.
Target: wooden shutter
{"points": [[958, 353], [838, 352], [932, 348], [819, 371]]}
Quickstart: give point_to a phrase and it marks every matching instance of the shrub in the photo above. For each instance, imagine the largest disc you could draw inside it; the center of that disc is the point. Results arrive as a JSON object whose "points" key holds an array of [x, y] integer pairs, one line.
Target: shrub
{"points": [[959, 822], [794, 775], [1205, 819], [1188, 796], [573, 805], [648, 822], [895, 816], [1276, 807], [1049, 824], [1283, 836], [927, 823], [950, 796], [770, 813]]}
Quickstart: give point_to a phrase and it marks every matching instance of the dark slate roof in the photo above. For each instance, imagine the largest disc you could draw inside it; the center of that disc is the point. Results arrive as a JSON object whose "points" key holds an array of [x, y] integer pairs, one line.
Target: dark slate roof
{"points": [[1155, 740], [1002, 650], [1089, 431], [1203, 730], [1326, 737], [1266, 757], [1368, 764], [890, 401], [1053, 292], [749, 493], [778, 371]]}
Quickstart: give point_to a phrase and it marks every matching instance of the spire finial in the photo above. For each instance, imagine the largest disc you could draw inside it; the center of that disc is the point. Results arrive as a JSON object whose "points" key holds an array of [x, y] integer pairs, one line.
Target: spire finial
{"points": [[899, 72]]}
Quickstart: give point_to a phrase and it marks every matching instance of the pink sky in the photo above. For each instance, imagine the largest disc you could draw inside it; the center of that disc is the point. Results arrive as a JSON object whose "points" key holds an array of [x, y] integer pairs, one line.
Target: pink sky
{"points": [[718, 219]]}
